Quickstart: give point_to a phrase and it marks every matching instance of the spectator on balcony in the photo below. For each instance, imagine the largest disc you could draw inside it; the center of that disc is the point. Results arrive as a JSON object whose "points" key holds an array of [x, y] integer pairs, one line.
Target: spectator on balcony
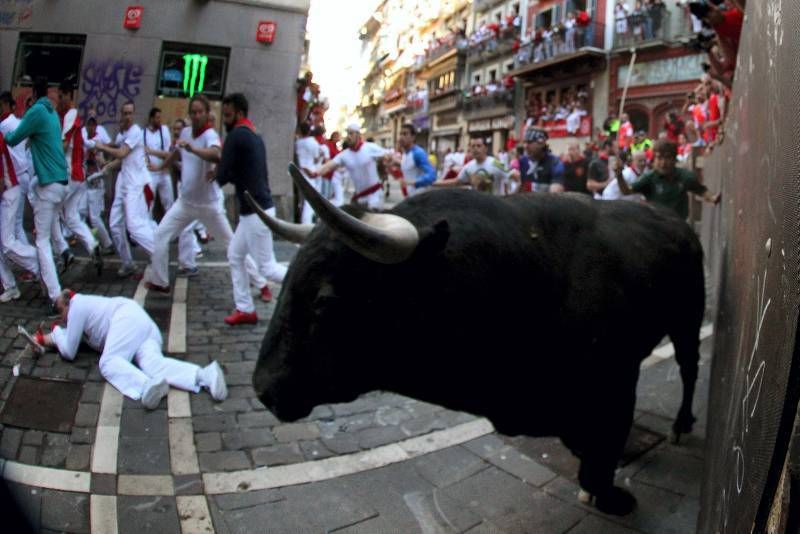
{"points": [[538, 46], [492, 86], [547, 36], [558, 39], [637, 21], [656, 9], [586, 27], [574, 118], [621, 12], [569, 32]]}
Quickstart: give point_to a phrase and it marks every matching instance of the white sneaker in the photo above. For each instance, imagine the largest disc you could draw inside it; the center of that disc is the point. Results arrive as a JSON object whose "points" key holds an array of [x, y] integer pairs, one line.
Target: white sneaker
{"points": [[211, 377], [12, 293], [154, 391]]}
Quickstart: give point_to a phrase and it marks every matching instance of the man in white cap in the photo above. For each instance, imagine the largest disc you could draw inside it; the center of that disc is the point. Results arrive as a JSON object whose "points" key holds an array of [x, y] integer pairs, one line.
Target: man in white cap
{"points": [[124, 333], [360, 160]]}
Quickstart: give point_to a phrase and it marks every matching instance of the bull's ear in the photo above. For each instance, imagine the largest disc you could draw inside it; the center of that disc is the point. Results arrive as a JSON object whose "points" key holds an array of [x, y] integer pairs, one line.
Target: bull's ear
{"points": [[433, 239]]}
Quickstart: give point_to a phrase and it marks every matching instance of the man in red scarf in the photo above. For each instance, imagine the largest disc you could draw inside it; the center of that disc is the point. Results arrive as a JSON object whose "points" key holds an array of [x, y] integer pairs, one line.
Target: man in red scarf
{"points": [[76, 190]]}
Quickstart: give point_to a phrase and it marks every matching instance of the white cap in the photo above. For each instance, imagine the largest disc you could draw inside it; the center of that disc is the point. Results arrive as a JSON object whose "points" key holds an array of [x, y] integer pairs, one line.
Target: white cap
{"points": [[354, 127]]}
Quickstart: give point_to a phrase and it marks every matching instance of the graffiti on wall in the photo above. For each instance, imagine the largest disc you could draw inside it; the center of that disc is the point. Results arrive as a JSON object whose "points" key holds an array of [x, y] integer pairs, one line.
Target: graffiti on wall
{"points": [[106, 85], [16, 14]]}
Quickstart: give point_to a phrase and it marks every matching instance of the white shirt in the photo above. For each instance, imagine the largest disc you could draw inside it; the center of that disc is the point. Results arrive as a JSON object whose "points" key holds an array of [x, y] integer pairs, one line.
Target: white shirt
{"points": [[88, 319], [100, 135], [134, 171], [195, 188], [490, 167], [309, 153], [20, 155], [574, 120], [612, 192], [361, 164], [156, 140]]}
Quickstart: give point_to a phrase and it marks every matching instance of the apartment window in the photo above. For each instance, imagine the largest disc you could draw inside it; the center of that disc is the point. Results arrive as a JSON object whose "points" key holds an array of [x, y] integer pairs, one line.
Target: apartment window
{"points": [[189, 69], [52, 55], [477, 79]]}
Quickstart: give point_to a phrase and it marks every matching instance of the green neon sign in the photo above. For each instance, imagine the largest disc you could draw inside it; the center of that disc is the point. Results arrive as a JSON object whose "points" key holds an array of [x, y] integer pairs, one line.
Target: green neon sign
{"points": [[194, 73]]}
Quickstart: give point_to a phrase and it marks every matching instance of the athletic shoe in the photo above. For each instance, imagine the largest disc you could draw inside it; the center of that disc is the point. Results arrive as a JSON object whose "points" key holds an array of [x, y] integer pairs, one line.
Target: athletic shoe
{"points": [[240, 317], [108, 251], [211, 377], [266, 294], [154, 390], [67, 259], [189, 272], [126, 270], [157, 288], [97, 260], [11, 293]]}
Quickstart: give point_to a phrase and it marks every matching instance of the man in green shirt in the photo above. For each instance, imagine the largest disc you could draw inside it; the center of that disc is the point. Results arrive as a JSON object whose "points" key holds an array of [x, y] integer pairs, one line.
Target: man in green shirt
{"points": [[666, 184], [42, 126]]}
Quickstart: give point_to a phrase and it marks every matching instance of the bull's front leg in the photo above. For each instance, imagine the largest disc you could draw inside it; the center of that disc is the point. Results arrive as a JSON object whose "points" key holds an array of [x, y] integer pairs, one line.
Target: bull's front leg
{"points": [[607, 426]]}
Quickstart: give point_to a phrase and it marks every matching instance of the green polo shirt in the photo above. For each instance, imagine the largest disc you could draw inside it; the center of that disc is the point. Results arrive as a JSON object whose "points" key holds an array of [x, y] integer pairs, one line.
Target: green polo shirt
{"points": [[670, 193], [42, 126]]}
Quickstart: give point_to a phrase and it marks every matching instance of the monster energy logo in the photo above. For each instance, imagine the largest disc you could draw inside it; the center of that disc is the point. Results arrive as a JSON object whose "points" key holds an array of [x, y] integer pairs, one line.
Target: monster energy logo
{"points": [[194, 71]]}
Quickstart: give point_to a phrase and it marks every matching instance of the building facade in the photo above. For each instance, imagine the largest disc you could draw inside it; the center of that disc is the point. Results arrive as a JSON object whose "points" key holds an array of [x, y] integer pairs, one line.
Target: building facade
{"points": [[159, 54], [493, 67]]}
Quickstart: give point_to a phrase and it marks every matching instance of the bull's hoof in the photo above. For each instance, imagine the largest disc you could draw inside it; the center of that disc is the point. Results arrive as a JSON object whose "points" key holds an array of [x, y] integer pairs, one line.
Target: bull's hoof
{"points": [[682, 425], [615, 501]]}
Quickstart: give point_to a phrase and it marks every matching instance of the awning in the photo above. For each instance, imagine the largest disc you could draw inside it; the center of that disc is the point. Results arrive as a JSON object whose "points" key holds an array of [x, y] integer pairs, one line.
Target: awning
{"points": [[442, 132]]}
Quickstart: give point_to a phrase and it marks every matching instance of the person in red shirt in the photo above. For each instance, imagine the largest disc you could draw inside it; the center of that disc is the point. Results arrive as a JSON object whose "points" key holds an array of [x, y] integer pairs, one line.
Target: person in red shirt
{"points": [[625, 134], [673, 126], [714, 114]]}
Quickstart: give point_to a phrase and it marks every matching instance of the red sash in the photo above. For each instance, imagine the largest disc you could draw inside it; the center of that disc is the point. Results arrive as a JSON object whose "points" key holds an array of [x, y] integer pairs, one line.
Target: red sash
{"points": [[368, 191], [203, 129], [148, 196], [76, 157], [246, 123], [6, 155]]}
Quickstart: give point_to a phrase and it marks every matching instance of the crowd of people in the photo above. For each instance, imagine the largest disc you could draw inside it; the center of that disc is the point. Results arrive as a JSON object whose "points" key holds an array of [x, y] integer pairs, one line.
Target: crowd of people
{"points": [[59, 165]]}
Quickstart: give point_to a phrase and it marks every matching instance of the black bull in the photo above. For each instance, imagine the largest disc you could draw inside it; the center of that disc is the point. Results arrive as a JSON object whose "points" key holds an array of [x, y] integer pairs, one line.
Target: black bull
{"points": [[532, 310]]}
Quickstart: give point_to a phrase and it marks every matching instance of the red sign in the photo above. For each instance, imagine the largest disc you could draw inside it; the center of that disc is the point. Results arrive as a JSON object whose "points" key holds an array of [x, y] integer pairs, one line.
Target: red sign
{"points": [[133, 17], [266, 31], [559, 128]]}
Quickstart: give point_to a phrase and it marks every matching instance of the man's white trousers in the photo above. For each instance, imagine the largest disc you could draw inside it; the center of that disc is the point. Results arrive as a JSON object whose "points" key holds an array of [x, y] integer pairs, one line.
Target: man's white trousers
{"points": [[252, 238], [134, 338], [23, 254], [48, 201]]}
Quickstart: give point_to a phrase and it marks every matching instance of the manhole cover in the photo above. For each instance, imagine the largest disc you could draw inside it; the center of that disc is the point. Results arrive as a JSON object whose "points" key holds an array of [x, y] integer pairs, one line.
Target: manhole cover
{"points": [[42, 404]]}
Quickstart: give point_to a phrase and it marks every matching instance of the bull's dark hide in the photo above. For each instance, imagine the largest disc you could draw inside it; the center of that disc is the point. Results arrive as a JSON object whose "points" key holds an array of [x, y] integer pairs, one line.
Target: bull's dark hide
{"points": [[533, 310]]}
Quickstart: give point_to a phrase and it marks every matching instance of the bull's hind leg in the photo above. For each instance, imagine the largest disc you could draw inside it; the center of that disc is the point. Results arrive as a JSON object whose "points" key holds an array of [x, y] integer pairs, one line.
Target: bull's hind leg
{"points": [[687, 354]]}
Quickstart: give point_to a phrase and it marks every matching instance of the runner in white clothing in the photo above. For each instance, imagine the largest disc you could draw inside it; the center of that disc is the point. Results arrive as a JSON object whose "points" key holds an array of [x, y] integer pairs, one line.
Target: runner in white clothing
{"points": [[198, 148], [309, 158], [21, 156], [157, 141], [132, 193], [360, 160], [96, 188], [124, 334]]}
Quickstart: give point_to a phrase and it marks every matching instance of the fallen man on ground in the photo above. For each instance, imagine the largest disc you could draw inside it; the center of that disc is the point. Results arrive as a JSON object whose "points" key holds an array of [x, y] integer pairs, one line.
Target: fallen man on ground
{"points": [[124, 334]]}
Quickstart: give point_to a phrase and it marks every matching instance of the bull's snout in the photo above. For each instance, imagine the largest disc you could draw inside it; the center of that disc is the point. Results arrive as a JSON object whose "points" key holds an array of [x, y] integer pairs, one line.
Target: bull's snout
{"points": [[280, 398]]}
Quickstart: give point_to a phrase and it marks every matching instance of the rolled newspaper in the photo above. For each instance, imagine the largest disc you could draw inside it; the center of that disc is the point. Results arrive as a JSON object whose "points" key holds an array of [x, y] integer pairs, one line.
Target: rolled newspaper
{"points": [[36, 347]]}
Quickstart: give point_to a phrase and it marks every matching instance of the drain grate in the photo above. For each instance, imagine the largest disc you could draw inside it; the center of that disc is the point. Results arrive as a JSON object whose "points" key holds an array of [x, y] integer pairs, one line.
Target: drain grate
{"points": [[42, 404]]}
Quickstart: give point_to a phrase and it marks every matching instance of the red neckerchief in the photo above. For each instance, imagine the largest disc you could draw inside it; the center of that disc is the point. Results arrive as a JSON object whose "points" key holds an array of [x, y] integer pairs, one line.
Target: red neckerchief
{"points": [[206, 126], [603, 156], [76, 158], [246, 123], [358, 146], [6, 155]]}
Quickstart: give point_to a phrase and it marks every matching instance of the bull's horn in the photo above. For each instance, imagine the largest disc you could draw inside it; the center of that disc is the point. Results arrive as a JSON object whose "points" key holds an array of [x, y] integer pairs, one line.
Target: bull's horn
{"points": [[296, 233], [380, 237]]}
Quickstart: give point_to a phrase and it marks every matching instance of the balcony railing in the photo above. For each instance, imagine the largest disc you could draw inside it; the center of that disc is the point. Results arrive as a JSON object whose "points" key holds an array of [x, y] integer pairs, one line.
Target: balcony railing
{"points": [[642, 29], [500, 97], [442, 46], [492, 46], [571, 41]]}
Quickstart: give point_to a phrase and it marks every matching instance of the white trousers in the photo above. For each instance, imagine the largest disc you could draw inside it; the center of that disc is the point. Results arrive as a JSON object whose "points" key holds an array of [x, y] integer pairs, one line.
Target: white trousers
{"points": [[48, 202], [96, 205], [180, 220], [23, 254], [337, 190], [72, 217], [307, 215], [129, 212], [133, 337], [254, 238], [162, 188], [24, 181]]}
